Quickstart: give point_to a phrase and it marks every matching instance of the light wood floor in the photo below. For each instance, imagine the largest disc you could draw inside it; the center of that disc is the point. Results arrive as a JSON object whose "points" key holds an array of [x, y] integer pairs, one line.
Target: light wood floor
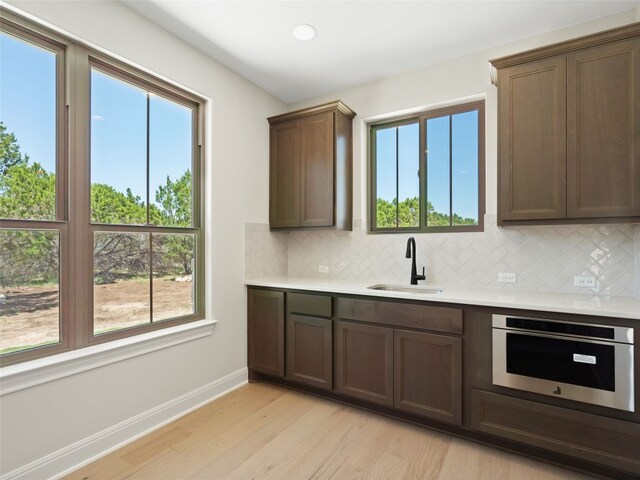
{"points": [[261, 431]]}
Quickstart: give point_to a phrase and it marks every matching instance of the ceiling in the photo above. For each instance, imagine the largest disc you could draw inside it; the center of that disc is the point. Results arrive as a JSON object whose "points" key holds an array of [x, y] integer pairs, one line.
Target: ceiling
{"points": [[358, 41]]}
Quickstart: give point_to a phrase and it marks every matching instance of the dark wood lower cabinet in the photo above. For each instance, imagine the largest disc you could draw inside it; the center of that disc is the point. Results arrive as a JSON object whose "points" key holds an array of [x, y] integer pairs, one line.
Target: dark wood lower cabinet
{"points": [[405, 359], [591, 437], [364, 362], [428, 375], [266, 331], [310, 351]]}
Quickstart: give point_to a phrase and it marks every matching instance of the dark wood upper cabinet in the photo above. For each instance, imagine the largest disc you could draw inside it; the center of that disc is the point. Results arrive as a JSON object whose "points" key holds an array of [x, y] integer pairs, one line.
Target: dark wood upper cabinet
{"points": [[533, 140], [284, 208], [428, 375], [603, 138], [569, 131], [364, 362], [316, 189], [311, 168], [265, 312]]}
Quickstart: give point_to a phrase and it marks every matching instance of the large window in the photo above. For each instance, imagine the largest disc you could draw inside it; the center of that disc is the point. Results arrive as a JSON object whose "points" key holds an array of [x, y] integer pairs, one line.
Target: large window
{"points": [[100, 197], [427, 172]]}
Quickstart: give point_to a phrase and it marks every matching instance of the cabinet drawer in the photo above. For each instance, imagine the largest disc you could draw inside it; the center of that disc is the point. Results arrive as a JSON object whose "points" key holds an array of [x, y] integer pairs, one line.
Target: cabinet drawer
{"points": [[305, 304], [437, 319], [583, 435]]}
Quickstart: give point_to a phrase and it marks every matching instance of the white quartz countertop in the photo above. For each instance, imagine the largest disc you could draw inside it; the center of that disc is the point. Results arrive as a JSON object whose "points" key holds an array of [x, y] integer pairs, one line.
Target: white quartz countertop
{"points": [[620, 307]]}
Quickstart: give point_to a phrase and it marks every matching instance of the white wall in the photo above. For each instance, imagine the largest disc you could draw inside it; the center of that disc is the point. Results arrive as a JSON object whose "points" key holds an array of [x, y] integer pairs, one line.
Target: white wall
{"points": [[553, 255], [42, 420]]}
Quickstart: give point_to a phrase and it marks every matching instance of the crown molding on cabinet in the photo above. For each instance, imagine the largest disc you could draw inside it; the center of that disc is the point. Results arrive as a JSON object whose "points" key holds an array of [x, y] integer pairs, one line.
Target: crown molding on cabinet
{"points": [[614, 34], [326, 107]]}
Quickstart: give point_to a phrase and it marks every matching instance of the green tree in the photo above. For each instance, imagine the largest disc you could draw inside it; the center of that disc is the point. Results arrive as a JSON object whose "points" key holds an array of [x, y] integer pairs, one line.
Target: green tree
{"points": [[175, 201], [386, 213], [28, 257], [27, 191], [408, 214], [118, 255], [9, 151], [111, 206], [173, 253], [436, 219]]}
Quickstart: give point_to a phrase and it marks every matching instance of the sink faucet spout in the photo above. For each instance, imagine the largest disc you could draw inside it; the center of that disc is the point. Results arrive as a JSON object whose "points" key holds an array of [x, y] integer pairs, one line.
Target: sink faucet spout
{"points": [[411, 253]]}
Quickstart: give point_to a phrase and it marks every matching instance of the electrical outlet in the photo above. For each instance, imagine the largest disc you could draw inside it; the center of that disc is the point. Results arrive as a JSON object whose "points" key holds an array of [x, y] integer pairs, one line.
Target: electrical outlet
{"points": [[323, 268], [507, 277], [584, 281]]}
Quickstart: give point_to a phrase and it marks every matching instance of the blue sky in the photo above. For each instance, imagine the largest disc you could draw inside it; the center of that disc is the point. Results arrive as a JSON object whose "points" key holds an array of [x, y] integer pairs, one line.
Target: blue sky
{"points": [[27, 98], [464, 171], [118, 121], [118, 136]]}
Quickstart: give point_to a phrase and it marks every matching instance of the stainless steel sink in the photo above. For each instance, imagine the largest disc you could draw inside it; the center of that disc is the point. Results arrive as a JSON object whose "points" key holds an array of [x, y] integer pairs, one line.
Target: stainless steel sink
{"points": [[422, 289]]}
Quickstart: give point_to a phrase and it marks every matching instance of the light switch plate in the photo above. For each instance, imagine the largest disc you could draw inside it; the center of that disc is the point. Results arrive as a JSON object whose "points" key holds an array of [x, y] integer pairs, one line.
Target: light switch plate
{"points": [[323, 268]]}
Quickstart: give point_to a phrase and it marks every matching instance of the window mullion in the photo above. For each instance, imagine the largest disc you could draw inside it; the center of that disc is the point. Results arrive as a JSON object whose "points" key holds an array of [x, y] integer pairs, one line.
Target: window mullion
{"points": [[148, 158], [80, 197], [450, 170], [397, 179], [423, 174], [150, 277], [149, 209]]}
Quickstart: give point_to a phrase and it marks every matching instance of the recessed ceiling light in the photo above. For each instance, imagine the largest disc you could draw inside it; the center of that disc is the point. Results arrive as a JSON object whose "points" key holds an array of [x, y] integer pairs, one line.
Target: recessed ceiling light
{"points": [[304, 32]]}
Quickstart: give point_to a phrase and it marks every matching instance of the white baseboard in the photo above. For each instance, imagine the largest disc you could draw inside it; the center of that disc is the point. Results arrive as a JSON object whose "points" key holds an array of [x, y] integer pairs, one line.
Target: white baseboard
{"points": [[79, 454]]}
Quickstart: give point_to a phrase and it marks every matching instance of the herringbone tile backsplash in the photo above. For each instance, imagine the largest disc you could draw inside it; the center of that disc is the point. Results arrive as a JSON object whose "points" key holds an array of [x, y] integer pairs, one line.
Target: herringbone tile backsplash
{"points": [[265, 252], [545, 258]]}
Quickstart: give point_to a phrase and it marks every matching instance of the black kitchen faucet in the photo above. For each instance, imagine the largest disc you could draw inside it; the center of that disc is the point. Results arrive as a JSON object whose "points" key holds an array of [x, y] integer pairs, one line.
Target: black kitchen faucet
{"points": [[411, 253]]}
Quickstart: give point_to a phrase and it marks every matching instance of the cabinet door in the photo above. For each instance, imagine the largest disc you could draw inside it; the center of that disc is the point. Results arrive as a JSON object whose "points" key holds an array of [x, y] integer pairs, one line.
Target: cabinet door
{"points": [[532, 146], [317, 159], [266, 331], [284, 191], [364, 362], [309, 351], [603, 131], [428, 375]]}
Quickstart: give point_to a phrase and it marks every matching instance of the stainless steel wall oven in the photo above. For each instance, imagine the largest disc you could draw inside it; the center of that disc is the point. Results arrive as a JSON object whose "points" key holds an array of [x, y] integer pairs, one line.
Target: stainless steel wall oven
{"points": [[578, 361]]}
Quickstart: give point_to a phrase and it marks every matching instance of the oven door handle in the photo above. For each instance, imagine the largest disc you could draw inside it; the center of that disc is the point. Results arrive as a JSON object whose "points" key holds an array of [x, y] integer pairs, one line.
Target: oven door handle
{"points": [[568, 338]]}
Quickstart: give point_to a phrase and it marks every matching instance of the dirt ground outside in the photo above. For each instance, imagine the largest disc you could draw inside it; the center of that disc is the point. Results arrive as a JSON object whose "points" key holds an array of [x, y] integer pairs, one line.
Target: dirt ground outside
{"points": [[29, 314]]}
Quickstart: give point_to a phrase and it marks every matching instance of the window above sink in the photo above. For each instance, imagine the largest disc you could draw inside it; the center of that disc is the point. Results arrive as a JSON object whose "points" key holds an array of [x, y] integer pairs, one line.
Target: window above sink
{"points": [[427, 172]]}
